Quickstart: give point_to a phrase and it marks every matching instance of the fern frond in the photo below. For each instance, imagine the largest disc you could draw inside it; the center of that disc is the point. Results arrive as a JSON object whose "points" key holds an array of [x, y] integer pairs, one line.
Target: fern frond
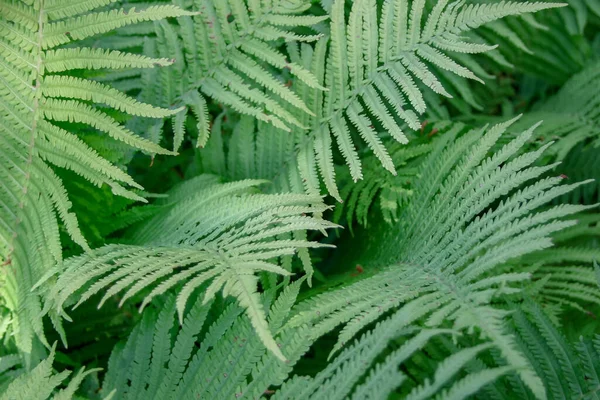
{"points": [[229, 362], [381, 63], [226, 53], [457, 287], [566, 275], [34, 103], [220, 234], [448, 243], [570, 115], [376, 86], [375, 78], [354, 374], [340, 376], [41, 382], [547, 45], [568, 370]]}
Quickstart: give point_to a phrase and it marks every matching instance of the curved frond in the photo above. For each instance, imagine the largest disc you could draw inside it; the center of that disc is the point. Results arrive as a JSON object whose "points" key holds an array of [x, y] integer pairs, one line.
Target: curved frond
{"points": [[448, 243], [220, 234], [227, 53], [378, 65], [376, 69]]}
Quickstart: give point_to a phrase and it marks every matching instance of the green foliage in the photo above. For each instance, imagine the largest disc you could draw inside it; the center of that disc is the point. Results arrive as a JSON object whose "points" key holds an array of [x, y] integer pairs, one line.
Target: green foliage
{"points": [[228, 353], [367, 199], [226, 53], [448, 243], [206, 232], [569, 370], [40, 383], [566, 275], [570, 116], [38, 109], [549, 45]]}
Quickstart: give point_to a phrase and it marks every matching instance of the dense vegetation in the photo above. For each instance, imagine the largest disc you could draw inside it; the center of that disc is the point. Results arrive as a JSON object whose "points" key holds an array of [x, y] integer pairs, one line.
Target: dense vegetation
{"points": [[296, 199]]}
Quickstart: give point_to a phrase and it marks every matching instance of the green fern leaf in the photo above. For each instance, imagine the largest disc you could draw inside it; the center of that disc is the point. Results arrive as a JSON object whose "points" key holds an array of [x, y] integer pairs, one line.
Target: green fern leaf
{"points": [[230, 361], [206, 243], [41, 382], [450, 269], [399, 60], [226, 54], [34, 103]]}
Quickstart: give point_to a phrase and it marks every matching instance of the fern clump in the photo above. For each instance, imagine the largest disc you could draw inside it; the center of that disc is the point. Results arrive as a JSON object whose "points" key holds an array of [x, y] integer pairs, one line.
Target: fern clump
{"points": [[298, 199]]}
